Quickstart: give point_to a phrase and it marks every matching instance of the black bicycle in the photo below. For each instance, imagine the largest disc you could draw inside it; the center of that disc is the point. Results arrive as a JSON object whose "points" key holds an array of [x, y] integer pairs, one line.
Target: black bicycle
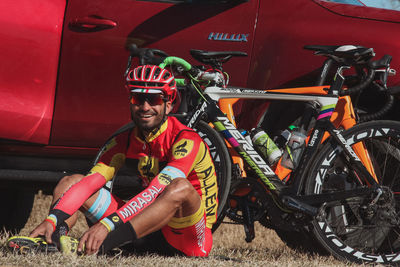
{"points": [[345, 187]]}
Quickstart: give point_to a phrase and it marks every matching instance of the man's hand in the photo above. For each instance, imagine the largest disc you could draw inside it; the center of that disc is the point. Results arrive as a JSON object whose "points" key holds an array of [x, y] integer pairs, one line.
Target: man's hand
{"points": [[93, 238], [46, 229]]}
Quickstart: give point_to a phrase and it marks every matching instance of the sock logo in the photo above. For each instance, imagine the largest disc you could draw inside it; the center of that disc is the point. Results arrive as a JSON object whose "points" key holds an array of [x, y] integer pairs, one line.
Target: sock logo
{"points": [[115, 219]]}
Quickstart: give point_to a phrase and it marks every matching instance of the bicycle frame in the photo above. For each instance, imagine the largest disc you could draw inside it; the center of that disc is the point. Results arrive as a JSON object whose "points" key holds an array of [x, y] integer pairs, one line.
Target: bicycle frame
{"points": [[343, 117], [325, 97], [237, 141]]}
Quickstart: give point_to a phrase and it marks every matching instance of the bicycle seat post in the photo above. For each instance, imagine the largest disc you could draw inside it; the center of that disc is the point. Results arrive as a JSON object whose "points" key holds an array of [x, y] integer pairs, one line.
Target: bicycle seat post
{"points": [[325, 71], [338, 81]]}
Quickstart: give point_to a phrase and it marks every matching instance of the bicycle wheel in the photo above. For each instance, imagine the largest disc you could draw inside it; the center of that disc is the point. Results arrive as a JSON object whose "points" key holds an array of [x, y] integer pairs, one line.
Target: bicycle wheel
{"points": [[223, 165], [357, 229]]}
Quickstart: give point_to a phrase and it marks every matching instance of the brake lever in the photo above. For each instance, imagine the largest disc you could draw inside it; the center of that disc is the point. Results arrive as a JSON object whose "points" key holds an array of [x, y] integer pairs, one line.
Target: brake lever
{"points": [[384, 73]]}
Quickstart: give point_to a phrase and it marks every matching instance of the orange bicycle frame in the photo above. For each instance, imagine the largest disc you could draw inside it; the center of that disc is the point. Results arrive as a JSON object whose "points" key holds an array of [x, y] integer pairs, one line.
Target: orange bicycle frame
{"points": [[343, 117]]}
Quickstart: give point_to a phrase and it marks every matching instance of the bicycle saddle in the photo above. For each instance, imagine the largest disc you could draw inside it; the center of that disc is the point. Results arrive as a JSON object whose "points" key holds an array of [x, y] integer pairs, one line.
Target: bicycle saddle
{"points": [[342, 53], [212, 57]]}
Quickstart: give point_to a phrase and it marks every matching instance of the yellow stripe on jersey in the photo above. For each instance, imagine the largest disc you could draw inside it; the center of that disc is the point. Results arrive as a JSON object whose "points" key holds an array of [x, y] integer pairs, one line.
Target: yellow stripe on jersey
{"points": [[183, 222], [117, 161], [104, 170], [206, 174], [153, 136]]}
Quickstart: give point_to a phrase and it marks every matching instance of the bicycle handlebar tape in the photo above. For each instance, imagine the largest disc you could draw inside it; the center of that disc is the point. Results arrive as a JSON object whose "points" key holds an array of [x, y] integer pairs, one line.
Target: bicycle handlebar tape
{"points": [[380, 113], [357, 88], [177, 62], [180, 82]]}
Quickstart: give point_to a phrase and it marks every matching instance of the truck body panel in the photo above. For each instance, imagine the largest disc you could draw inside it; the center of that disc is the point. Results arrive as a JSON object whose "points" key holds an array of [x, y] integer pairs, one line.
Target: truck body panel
{"points": [[30, 45], [91, 101], [62, 68]]}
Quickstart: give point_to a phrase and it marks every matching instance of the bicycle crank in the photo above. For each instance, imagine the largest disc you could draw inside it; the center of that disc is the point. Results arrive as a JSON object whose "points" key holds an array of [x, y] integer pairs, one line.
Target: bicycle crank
{"points": [[246, 204]]}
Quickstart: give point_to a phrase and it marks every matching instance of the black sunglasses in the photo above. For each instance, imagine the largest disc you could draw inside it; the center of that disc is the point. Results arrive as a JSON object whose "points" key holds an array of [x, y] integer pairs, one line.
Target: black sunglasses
{"points": [[152, 99]]}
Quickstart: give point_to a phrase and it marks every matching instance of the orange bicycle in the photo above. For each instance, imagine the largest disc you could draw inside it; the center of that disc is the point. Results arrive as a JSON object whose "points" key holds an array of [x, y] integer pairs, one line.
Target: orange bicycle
{"points": [[344, 181]]}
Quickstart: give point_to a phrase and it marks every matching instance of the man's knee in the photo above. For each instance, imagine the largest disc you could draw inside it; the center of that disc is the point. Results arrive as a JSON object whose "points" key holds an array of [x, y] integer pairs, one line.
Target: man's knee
{"points": [[66, 182], [180, 190]]}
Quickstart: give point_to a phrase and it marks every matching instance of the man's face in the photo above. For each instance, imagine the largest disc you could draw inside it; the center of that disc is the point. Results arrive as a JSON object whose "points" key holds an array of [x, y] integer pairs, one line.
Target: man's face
{"points": [[148, 110]]}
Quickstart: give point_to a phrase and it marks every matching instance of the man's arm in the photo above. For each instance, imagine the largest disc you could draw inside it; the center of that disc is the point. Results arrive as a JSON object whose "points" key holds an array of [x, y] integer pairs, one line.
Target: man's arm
{"points": [[183, 156], [74, 197], [180, 164], [111, 160], [135, 205], [78, 193]]}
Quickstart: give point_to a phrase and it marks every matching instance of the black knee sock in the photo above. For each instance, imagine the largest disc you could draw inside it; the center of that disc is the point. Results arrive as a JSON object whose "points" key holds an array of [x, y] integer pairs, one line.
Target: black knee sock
{"points": [[61, 229], [120, 236]]}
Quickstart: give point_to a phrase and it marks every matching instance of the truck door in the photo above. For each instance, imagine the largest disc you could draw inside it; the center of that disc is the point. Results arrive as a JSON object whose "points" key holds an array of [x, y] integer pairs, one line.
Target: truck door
{"points": [[91, 101], [30, 45]]}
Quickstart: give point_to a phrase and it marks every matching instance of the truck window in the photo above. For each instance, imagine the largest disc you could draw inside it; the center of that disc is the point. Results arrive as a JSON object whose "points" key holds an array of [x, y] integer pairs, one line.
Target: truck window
{"points": [[384, 4], [190, 1], [383, 10]]}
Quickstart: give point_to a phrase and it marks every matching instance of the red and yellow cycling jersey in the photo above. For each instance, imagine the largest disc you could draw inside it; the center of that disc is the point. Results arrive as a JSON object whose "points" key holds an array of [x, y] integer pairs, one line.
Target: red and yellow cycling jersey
{"points": [[173, 151]]}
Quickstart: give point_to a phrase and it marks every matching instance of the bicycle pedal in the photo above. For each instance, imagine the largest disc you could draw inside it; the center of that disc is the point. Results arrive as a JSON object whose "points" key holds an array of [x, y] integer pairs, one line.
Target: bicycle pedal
{"points": [[250, 233]]}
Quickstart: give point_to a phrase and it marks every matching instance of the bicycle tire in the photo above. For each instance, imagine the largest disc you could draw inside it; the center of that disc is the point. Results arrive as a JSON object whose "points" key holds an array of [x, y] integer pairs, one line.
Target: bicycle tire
{"points": [[223, 165], [353, 229]]}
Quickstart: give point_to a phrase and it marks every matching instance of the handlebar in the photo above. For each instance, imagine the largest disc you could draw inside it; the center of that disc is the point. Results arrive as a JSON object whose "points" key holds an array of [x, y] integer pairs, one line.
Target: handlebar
{"points": [[160, 58], [378, 72], [358, 57], [361, 86], [146, 56], [389, 102], [361, 59], [176, 61]]}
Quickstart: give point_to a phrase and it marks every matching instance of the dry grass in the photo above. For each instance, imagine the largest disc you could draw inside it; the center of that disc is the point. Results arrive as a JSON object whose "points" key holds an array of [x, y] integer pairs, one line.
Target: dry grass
{"points": [[229, 249]]}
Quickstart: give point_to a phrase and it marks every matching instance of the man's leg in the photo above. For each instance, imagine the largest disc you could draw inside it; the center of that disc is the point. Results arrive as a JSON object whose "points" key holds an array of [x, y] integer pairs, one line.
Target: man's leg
{"points": [[99, 205], [39, 244], [179, 199], [63, 185]]}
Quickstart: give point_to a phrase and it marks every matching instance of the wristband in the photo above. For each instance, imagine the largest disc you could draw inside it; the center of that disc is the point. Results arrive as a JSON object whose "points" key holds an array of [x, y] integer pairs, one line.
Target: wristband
{"points": [[106, 225], [112, 221], [53, 220]]}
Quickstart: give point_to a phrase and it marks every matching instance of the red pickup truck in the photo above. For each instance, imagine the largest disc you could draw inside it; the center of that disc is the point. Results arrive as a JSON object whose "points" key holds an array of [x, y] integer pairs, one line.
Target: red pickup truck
{"points": [[62, 65]]}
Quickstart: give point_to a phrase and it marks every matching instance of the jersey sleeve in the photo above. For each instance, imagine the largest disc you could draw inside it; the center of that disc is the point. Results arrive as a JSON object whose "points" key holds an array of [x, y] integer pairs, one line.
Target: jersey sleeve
{"points": [[187, 150], [111, 160]]}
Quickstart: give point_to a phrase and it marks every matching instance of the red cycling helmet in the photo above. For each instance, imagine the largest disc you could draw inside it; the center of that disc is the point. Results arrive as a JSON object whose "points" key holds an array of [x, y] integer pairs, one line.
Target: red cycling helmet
{"points": [[151, 79]]}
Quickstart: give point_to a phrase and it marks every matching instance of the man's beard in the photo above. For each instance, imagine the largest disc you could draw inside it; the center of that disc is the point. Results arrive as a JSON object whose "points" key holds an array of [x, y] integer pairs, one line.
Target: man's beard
{"points": [[144, 127]]}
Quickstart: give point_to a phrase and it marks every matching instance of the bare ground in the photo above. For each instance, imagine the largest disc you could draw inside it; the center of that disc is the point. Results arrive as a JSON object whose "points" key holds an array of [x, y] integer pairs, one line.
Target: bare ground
{"points": [[229, 249]]}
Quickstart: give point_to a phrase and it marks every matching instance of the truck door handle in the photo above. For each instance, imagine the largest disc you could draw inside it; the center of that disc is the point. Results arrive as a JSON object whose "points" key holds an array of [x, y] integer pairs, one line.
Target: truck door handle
{"points": [[92, 23]]}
